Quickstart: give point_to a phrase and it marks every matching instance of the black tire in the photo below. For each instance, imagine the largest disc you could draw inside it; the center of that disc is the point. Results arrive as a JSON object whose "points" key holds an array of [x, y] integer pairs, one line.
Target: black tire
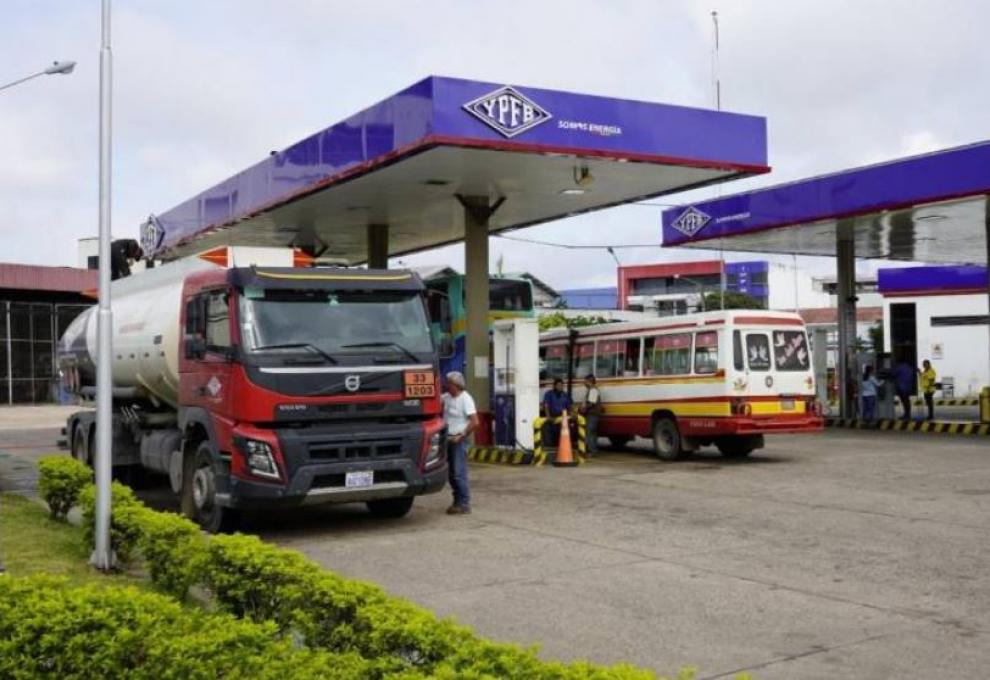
{"points": [[619, 442], [736, 447], [391, 508], [199, 501], [667, 439], [79, 448]]}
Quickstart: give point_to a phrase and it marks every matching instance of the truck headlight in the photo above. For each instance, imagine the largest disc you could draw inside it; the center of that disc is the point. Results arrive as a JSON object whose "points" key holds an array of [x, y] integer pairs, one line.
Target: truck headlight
{"points": [[435, 449], [260, 460]]}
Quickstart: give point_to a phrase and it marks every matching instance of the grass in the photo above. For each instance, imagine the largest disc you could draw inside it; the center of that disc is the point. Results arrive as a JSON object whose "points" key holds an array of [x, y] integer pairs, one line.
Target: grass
{"points": [[33, 543]]}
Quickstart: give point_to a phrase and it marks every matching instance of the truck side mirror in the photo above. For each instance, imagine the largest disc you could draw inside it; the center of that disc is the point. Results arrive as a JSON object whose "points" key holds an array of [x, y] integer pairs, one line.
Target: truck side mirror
{"points": [[195, 346]]}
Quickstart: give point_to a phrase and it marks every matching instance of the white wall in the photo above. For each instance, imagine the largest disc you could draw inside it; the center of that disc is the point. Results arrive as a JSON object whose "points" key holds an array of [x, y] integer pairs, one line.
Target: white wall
{"points": [[780, 278], [964, 348]]}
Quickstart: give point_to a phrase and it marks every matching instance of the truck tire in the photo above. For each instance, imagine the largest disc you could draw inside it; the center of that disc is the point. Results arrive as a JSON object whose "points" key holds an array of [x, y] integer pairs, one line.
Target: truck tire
{"points": [[391, 508], [199, 494], [78, 447], [667, 439], [619, 442], [736, 447]]}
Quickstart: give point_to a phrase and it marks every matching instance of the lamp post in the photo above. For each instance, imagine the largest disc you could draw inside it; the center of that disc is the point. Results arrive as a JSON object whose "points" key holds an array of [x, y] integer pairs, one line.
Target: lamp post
{"points": [[59, 67], [102, 557]]}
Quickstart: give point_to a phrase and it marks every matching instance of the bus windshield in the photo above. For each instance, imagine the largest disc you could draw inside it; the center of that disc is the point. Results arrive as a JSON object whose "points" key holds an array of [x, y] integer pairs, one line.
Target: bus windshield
{"points": [[333, 324], [510, 295]]}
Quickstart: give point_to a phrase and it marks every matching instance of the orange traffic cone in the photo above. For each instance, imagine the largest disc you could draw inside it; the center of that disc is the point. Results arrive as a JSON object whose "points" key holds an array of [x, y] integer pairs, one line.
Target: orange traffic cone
{"points": [[564, 457]]}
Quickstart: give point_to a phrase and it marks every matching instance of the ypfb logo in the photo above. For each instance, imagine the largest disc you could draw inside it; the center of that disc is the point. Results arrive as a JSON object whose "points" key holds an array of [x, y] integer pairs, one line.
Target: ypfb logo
{"points": [[691, 221], [507, 111], [152, 235]]}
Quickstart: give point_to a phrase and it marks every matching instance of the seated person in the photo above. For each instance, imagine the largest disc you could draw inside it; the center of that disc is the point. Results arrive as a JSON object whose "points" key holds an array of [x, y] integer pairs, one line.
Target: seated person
{"points": [[555, 402]]}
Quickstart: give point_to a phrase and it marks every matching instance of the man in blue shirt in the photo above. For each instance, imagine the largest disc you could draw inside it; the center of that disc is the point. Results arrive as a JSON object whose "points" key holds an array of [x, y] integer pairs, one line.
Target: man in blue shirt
{"points": [[555, 402], [904, 384]]}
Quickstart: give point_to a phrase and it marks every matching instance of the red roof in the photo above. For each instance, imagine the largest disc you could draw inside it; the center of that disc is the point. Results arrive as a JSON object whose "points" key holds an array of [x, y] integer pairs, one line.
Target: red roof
{"points": [[831, 315], [36, 277]]}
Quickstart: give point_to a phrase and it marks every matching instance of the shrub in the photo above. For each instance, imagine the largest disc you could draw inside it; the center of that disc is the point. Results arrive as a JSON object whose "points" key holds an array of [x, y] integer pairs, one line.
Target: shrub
{"points": [[125, 524], [60, 480], [174, 550], [48, 629]]}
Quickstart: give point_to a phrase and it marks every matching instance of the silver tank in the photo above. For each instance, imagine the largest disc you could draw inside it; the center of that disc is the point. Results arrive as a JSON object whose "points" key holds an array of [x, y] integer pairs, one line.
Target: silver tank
{"points": [[146, 308]]}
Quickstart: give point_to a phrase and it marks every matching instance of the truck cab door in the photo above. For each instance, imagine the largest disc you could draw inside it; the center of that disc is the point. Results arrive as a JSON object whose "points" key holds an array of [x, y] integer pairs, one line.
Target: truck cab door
{"points": [[208, 351]]}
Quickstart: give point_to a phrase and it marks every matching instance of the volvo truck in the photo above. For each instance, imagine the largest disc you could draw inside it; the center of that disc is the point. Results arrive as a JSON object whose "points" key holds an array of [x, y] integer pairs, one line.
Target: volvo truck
{"points": [[252, 383]]}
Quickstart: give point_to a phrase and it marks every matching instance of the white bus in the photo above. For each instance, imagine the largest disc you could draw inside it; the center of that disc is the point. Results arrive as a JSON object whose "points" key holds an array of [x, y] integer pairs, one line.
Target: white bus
{"points": [[723, 378]]}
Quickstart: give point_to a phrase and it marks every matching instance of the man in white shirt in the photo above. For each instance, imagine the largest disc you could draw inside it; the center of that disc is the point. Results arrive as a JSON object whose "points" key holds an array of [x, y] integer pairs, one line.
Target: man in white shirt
{"points": [[592, 409], [461, 416]]}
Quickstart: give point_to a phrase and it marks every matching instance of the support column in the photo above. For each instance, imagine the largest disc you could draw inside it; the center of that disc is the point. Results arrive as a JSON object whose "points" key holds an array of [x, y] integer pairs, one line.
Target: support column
{"points": [[846, 280], [377, 246], [985, 392], [477, 212]]}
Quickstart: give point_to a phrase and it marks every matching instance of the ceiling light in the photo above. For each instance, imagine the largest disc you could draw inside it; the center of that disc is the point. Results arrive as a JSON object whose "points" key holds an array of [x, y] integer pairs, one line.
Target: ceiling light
{"points": [[576, 191], [930, 217], [437, 182]]}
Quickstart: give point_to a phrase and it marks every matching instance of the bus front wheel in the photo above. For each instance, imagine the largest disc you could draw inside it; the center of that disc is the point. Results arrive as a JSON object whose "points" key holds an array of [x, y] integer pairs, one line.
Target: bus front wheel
{"points": [[667, 439]]}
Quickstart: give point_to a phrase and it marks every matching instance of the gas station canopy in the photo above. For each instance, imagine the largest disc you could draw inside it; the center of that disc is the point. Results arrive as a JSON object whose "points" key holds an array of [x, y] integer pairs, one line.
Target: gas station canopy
{"points": [[404, 162], [929, 208]]}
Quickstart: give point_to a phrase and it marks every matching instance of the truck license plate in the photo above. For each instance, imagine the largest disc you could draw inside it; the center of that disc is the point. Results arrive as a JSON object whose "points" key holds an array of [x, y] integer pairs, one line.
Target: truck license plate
{"points": [[787, 404], [362, 478]]}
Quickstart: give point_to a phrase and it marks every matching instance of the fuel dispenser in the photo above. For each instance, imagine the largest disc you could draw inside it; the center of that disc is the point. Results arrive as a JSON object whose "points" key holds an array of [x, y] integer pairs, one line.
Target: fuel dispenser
{"points": [[886, 391], [516, 381]]}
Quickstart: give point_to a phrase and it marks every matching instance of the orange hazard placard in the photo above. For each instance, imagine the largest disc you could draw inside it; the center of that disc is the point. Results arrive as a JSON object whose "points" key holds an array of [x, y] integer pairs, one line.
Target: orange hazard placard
{"points": [[419, 384]]}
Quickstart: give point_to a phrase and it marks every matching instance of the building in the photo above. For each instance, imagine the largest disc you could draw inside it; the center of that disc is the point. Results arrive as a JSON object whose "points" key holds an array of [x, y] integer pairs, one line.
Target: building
{"points": [[939, 313], [590, 298], [867, 293], [36, 305], [678, 287]]}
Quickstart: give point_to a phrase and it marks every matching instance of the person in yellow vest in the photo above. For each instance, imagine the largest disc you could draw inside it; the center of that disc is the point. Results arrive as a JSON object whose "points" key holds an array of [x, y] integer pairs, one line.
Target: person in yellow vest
{"points": [[928, 387]]}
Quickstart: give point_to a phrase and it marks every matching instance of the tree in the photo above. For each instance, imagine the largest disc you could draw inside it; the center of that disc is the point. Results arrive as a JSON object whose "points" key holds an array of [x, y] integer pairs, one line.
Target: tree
{"points": [[559, 320], [733, 300], [876, 336]]}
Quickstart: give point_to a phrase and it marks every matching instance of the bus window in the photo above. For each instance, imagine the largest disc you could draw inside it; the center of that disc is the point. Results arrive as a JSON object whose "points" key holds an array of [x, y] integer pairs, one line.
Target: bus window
{"points": [[672, 354], [609, 359], [758, 351], [631, 368], [553, 361], [510, 295], [706, 352], [738, 358], [790, 351], [584, 359]]}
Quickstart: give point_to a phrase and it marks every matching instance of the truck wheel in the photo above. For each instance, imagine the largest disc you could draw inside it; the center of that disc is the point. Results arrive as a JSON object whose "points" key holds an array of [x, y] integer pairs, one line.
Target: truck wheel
{"points": [[667, 439], [200, 494], [618, 442], [79, 449], [736, 447], [391, 508]]}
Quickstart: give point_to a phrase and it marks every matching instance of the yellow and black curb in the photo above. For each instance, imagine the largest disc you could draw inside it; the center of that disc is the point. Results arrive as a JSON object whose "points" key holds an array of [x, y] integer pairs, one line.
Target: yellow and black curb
{"points": [[898, 425], [501, 455], [974, 401]]}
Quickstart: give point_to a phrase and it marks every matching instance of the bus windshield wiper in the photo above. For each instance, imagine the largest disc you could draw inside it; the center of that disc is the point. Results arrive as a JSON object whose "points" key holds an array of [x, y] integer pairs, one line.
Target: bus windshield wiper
{"points": [[384, 344], [299, 345]]}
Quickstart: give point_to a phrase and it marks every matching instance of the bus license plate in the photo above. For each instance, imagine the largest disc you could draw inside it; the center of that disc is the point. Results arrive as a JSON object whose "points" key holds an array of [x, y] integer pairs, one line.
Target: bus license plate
{"points": [[420, 385], [359, 479], [787, 404]]}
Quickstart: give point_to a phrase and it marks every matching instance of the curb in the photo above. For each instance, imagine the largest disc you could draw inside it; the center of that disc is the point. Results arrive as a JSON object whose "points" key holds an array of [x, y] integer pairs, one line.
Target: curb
{"points": [[969, 401], [929, 426], [502, 456]]}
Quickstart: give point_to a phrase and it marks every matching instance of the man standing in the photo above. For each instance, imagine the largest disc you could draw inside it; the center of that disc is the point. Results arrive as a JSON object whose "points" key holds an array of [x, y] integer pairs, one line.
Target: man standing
{"points": [[904, 384], [555, 402], [461, 416], [928, 387], [592, 409]]}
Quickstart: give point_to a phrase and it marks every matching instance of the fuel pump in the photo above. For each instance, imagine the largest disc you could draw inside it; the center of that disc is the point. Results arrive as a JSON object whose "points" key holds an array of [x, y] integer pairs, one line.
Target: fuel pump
{"points": [[885, 393], [516, 383]]}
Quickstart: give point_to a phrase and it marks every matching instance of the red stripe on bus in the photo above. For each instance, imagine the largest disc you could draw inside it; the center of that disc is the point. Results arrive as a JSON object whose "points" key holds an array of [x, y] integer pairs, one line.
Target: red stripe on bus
{"points": [[769, 320]]}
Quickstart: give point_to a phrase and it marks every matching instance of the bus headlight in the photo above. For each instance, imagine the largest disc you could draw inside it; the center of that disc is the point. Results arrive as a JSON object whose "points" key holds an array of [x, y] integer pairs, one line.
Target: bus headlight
{"points": [[260, 460], [434, 449]]}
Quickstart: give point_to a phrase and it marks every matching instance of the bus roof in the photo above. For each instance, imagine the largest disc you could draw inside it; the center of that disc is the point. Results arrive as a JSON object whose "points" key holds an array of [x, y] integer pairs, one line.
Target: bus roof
{"points": [[685, 321]]}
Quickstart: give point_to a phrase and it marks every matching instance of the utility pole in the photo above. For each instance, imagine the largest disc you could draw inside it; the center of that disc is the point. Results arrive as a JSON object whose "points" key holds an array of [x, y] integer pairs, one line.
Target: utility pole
{"points": [[717, 89]]}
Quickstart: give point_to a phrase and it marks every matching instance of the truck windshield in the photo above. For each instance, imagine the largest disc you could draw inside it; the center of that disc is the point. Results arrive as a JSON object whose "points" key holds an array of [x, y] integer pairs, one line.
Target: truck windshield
{"points": [[329, 326]]}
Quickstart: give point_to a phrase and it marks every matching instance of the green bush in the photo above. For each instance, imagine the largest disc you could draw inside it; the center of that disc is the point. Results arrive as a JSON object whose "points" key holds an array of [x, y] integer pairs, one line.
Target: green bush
{"points": [[174, 550], [125, 519], [49, 629], [60, 480]]}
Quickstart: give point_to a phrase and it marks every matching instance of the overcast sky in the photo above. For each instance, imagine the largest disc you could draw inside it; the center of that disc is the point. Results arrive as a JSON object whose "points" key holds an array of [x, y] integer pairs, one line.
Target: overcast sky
{"points": [[203, 89]]}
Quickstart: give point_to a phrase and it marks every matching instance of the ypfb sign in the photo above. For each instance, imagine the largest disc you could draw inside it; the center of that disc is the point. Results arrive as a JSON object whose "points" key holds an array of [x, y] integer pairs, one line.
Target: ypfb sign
{"points": [[691, 221], [507, 111]]}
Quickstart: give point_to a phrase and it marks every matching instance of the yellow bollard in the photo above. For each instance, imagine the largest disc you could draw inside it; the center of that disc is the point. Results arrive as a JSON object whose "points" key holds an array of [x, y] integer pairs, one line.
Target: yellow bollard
{"points": [[985, 405]]}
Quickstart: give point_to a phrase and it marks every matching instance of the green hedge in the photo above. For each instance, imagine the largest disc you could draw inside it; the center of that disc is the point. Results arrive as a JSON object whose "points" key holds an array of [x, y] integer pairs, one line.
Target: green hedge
{"points": [[60, 482], [287, 594]]}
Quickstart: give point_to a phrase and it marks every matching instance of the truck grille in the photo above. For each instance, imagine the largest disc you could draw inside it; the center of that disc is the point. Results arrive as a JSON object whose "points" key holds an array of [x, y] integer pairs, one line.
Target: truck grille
{"points": [[336, 479], [328, 451]]}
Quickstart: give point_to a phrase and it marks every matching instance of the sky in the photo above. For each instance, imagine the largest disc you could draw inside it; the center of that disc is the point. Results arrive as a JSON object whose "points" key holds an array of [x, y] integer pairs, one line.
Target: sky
{"points": [[204, 89]]}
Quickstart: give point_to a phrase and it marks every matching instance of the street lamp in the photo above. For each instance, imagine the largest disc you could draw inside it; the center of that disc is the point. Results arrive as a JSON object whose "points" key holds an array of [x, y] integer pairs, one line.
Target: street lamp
{"points": [[701, 287], [59, 67]]}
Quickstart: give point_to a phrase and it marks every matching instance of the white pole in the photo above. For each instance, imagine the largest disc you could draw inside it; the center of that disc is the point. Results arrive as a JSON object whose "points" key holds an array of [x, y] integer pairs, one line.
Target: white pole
{"points": [[103, 553], [717, 87], [797, 305]]}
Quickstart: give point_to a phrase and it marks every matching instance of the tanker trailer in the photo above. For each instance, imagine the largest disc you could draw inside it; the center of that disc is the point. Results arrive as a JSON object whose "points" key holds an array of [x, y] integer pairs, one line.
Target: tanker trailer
{"points": [[258, 386]]}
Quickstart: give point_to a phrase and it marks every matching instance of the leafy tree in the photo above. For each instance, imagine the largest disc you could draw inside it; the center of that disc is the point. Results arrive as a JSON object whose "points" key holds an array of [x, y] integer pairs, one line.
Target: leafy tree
{"points": [[733, 300], [559, 320], [876, 336]]}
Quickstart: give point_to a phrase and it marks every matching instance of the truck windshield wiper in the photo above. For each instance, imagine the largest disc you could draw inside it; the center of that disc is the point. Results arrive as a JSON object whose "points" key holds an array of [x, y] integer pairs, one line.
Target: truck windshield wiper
{"points": [[299, 345], [384, 344]]}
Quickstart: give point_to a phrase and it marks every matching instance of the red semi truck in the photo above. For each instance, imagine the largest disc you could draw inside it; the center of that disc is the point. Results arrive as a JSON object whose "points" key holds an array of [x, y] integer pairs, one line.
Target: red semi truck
{"points": [[252, 385]]}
